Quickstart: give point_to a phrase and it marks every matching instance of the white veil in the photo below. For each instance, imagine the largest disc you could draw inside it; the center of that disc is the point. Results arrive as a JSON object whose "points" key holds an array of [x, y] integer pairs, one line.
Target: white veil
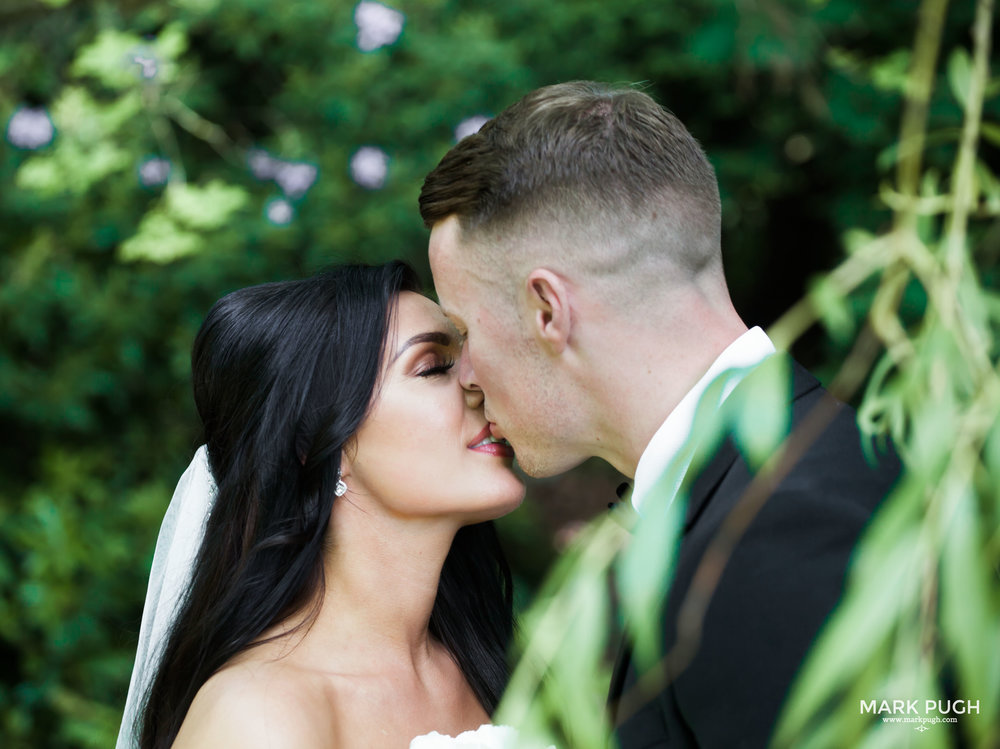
{"points": [[176, 547]]}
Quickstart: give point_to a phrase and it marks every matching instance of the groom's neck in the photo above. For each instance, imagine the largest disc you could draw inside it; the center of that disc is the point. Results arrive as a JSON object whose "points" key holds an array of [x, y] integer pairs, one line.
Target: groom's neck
{"points": [[645, 367]]}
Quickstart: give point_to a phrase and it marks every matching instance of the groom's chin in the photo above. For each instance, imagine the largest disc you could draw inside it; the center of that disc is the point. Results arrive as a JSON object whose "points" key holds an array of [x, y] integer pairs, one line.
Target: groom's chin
{"points": [[545, 466]]}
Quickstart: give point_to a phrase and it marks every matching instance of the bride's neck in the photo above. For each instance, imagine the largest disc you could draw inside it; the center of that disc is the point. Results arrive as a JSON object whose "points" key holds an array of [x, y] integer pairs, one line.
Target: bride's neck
{"points": [[381, 580]]}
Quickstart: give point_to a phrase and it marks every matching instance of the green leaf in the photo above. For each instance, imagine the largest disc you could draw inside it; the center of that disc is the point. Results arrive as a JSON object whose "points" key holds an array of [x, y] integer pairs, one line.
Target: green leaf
{"points": [[833, 309], [160, 240], [111, 59], [990, 132], [645, 569], [960, 74], [883, 583], [988, 187], [760, 408], [171, 42], [858, 240], [559, 685], [204, 208], [970, 608], [576, 670], [881, 410], [41, 174], [890, 73], [122, 60]]}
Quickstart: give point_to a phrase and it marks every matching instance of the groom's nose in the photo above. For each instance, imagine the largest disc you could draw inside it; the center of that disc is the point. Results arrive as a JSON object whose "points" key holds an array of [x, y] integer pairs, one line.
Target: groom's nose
{"points": [[467, 379]]}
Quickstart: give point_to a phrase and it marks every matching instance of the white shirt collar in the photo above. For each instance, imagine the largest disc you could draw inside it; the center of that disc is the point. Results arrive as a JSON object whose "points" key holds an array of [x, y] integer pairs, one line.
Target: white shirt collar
{"points": [[667, 448]]}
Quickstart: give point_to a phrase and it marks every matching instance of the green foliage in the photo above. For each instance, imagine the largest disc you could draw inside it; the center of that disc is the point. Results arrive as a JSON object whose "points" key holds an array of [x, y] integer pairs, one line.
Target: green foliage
{"points": [[564, 658], [145, 206], [183, 221]]}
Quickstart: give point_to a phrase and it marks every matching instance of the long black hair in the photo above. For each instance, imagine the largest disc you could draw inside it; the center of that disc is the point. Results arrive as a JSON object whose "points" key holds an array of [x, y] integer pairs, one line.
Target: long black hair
{"points": [[284, 374]]}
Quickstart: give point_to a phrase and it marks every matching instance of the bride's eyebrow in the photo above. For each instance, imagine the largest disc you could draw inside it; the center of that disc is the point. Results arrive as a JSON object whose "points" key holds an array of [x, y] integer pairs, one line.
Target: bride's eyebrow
{"points": [[433, 336]]}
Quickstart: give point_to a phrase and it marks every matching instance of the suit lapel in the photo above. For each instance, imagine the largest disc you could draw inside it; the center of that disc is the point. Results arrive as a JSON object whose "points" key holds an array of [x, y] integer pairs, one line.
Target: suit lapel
{"points": [[707, 480], [702, 488]]}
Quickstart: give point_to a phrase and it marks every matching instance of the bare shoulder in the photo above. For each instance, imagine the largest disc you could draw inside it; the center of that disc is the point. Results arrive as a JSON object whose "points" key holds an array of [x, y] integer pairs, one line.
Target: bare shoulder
{"points": [[258, 705]]}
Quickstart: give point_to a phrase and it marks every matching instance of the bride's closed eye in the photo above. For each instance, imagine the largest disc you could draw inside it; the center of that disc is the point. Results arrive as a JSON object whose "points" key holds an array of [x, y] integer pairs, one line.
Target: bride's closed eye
{"points": [[436, 367]]}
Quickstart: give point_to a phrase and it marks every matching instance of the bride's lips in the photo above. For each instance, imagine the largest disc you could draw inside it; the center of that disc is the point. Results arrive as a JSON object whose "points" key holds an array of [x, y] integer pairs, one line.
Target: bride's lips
{"points": [[482, 443]]}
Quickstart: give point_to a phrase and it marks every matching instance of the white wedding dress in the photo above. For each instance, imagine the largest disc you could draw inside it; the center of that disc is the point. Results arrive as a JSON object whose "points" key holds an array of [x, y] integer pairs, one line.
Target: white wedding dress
{"points": [[487, 736]]}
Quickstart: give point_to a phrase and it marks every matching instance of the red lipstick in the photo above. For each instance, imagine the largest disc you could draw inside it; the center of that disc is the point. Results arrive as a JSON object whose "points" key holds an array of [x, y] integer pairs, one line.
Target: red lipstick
{"points": [[485, 442]]}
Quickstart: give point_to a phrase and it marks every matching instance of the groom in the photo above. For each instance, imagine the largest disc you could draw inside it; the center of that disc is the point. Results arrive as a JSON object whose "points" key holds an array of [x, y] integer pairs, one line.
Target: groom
{"points": [[575, 242]]}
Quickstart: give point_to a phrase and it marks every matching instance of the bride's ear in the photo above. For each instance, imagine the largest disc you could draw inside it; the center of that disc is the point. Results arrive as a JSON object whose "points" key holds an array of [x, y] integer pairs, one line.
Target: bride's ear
{"points": [[347, 454], [549, 304]]}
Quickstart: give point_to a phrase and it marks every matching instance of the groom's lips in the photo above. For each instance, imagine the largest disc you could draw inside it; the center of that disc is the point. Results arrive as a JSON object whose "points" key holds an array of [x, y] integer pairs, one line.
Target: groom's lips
{"points": [[481, 444]]}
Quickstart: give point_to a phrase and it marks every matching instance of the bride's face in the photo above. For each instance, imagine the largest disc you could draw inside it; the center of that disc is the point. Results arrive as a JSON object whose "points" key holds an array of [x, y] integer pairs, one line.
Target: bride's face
{"points": [[421, 450]]}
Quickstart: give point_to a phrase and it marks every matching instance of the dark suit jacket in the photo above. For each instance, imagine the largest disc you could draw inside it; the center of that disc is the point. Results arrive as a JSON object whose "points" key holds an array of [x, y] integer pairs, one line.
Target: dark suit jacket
{"points": [[780, 585]]}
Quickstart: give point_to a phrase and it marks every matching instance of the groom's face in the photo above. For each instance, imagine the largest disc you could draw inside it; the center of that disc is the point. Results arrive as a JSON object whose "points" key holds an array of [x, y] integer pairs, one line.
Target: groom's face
{"points": [[497, 358]]}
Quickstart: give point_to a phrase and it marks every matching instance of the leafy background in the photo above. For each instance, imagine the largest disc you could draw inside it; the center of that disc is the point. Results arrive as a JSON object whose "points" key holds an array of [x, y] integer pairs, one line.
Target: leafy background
{"points": [[197, 146]]}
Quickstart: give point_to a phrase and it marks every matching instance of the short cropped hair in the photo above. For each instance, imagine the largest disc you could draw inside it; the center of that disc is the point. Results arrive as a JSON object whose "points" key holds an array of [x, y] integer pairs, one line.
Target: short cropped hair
{"points": [[591, 160]]}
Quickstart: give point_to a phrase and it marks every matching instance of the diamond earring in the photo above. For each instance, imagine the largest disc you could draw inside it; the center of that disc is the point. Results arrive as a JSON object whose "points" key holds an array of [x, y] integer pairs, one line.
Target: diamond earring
{"points": [[340, 489]]}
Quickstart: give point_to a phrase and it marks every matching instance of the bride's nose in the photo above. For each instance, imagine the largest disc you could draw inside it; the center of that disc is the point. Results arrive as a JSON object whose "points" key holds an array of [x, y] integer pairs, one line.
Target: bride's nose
{"points": [[473, 398]]}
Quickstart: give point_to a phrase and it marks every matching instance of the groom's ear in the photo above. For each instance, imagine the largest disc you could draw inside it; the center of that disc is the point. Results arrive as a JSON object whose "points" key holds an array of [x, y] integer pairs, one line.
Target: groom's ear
{"points": [[549, 305]]}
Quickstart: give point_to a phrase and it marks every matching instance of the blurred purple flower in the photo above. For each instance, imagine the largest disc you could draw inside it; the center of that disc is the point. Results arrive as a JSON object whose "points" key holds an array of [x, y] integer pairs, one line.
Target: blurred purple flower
{"points": [[279, 212], [30, 128], [153, 172], [262, 164], [369, 167], [294, 178], [378, 25]]}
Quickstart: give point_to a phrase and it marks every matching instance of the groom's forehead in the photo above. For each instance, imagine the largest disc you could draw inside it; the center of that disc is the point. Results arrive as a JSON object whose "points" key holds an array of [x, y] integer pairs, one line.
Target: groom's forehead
{"points": [[450, 265], [444, 240]]}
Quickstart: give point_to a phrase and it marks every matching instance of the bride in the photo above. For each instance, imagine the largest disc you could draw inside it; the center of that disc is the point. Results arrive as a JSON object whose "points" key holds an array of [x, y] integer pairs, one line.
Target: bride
{"points": [[348, 589]]}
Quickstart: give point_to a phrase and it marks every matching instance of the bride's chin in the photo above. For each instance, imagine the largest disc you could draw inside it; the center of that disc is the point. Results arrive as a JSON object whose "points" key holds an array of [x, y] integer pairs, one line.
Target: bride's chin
{"points": [[495, 509], [512, 504]]}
